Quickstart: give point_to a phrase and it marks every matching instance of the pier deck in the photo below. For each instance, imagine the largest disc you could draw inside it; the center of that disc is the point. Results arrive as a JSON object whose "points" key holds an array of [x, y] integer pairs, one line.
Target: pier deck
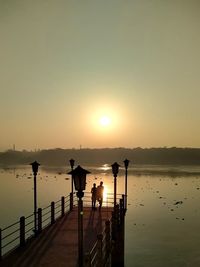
{"points": [[57, 245]]}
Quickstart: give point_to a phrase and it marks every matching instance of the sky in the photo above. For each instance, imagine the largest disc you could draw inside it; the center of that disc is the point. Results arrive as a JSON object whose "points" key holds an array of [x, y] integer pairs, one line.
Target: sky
{"points": [[95, 74]]}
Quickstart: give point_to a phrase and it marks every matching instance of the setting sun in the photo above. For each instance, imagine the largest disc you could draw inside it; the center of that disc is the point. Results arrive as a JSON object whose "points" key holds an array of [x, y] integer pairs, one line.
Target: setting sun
{"points": [[104, 121]]}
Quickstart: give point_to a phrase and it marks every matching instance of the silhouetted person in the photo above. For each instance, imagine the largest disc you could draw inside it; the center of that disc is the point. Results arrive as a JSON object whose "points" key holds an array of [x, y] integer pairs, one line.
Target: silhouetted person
{"points": [[100, 190], [94, 196]]}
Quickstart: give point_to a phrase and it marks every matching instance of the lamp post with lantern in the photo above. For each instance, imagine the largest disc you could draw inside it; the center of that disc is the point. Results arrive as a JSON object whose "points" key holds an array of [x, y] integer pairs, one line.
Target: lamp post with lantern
{"points": [[79, 178], [115, 169], [126, 163], [72, 161], [35, 166]]}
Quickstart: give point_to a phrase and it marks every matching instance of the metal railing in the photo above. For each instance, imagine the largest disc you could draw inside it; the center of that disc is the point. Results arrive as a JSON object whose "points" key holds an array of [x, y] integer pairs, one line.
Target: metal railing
{"points": [[100, 254], [108, 201], [17, 234]]}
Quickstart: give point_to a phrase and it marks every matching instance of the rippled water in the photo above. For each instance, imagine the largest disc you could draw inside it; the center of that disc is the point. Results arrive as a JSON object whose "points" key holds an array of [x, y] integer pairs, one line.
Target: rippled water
{"points": [[163, 217]]}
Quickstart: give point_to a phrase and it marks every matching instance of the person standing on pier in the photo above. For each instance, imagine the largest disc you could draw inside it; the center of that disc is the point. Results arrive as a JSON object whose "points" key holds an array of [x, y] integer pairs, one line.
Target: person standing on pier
{"points": [[100, 190], [94, 196]]}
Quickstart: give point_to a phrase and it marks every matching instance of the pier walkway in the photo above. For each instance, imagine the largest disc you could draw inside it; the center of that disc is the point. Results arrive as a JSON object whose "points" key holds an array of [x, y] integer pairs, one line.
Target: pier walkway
{"points": [[57, 245]]}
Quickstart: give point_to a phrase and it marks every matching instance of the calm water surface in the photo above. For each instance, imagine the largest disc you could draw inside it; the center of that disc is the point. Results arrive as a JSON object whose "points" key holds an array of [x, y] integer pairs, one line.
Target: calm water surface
{"points": [[163, 218]]}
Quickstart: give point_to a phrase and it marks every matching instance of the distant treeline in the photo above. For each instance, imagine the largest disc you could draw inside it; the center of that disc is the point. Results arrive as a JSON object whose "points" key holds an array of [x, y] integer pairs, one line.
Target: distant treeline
{"points": [[60, 157]]}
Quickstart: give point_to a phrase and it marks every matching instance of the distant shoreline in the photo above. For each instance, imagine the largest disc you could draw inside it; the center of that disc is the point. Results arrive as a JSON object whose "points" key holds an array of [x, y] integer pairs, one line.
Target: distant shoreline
{"points": [[137, 156]]}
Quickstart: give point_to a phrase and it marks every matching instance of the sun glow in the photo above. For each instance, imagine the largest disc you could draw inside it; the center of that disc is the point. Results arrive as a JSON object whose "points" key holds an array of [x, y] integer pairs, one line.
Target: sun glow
{"points": [[105, 193], [105, 121]]}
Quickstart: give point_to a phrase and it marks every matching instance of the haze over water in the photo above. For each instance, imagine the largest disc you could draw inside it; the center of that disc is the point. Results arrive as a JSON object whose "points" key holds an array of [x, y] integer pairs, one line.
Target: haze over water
{"points": [[106, 74], [99, 74], [163, 214]]}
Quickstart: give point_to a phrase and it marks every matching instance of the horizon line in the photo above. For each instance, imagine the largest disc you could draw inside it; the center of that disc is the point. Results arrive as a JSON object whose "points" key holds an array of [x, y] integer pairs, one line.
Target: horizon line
{"points": [[97, 148]]}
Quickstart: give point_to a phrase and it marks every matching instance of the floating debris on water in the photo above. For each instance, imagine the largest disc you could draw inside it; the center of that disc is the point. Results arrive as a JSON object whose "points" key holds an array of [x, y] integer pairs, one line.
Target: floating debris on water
{"points": [[178, 202]]}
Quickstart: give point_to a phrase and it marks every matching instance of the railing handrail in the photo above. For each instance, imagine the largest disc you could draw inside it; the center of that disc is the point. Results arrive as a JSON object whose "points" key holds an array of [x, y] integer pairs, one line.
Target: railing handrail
{"points": [[94, 255], [12, 232], [55, 213], [9, 226], [99, 255]]}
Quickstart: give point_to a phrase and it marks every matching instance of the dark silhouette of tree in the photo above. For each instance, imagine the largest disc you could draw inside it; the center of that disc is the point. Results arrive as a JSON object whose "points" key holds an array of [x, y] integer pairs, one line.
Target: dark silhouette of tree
{"points": [[60, 157]]}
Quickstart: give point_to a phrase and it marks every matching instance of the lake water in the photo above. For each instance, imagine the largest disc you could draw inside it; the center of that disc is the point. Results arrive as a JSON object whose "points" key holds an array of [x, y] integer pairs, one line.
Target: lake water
{"points": [[163, 217]]}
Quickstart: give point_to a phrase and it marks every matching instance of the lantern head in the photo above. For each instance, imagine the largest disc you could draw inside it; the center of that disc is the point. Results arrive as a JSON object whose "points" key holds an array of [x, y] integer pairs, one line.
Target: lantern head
{"points": [[79, 177], [126, 163], [115, 168], [35, 166]]}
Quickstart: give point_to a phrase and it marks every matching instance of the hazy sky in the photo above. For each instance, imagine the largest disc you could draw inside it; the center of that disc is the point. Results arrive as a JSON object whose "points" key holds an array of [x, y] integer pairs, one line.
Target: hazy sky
{"points": [[65, 64]]}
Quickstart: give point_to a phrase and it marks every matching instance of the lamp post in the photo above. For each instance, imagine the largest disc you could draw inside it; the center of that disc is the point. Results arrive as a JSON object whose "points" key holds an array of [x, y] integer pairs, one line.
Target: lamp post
{"points": [[79, 178], [115, 168], [72, 161], [126, 163], [35, 166]]}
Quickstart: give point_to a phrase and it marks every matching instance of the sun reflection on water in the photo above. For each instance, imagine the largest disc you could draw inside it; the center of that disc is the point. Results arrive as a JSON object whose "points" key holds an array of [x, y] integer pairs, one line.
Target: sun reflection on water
{"points": [[105, 167], [105, 193]]}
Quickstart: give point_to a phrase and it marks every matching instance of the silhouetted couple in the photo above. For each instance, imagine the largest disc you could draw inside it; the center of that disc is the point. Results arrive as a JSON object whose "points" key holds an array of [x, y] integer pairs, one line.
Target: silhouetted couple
{"points": [[97, 195]]}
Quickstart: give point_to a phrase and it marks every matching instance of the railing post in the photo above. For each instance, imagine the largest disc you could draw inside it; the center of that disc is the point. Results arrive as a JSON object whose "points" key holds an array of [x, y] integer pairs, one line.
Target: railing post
{"points": [[108, 241], [120, 236], [114, 243], [115, 236], [71, 201], [117, 215], [22, 231], [117, 258], [62, 206], [52, 212], [124, 202], [39, 220], [121, 212], [100, 250], [87, 260], [113, 225], [0, 244]]}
